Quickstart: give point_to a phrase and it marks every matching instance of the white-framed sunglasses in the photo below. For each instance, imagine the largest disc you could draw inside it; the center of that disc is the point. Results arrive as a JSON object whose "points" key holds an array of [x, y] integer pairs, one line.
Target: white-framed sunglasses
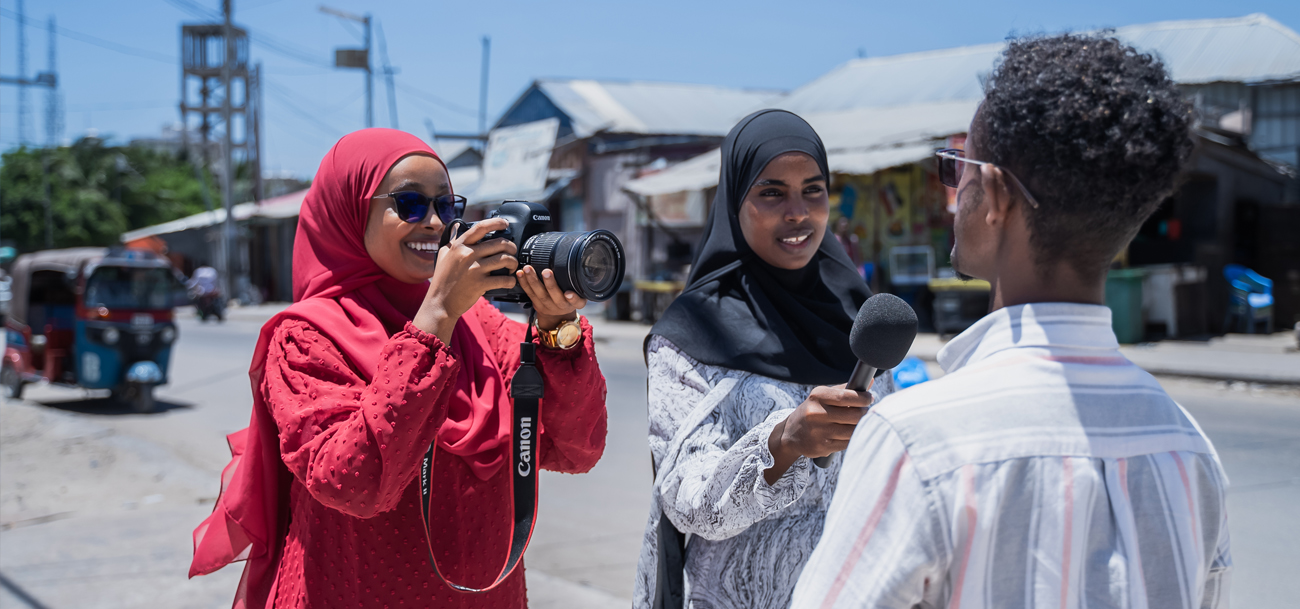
{"points": [[951, 165]]}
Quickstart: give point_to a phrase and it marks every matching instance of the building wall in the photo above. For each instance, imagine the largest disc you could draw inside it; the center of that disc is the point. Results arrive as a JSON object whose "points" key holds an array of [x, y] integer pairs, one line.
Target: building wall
{"points": [[1217, 218], [1274, 111], [1275, 133]]}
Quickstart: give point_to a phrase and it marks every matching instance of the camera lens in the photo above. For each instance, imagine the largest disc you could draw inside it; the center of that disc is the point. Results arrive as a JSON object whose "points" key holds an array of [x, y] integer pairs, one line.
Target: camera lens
{"points": [[597, 266], [589, 264]]}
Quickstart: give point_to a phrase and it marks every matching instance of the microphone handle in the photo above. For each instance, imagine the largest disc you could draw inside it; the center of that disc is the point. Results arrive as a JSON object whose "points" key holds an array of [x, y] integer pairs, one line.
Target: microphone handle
{"points": [[859, 380]]}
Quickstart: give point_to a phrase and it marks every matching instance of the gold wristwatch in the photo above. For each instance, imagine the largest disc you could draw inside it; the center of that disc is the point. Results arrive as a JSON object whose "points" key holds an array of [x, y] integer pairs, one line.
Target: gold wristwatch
{"points": [[564, 336]]}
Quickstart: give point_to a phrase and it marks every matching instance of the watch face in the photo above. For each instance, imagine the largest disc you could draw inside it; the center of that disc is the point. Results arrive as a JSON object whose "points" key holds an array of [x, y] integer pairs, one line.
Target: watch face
{"points": [[568, 334]]}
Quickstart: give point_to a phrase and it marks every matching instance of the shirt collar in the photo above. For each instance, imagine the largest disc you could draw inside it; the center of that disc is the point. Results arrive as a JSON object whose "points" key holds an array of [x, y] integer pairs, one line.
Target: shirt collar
{"points": [[1039, 324]]}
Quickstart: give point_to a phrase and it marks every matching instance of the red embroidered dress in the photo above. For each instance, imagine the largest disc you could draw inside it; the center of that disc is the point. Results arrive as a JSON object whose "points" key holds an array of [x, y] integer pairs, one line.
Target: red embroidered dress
{"points": [[354, 449]]}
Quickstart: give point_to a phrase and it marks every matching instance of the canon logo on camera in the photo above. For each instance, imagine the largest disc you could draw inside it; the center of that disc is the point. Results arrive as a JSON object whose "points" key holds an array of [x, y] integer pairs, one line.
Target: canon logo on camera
{"points": [[541, 218]]}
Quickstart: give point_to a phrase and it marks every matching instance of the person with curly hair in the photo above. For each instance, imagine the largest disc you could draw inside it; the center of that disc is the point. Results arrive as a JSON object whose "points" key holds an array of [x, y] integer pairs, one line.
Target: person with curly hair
{"points": [[1044, 469]]}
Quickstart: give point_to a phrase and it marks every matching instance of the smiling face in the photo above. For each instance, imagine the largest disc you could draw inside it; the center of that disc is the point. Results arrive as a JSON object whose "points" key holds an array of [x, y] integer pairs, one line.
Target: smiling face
{"points": [[407, 251], [784, 214]]}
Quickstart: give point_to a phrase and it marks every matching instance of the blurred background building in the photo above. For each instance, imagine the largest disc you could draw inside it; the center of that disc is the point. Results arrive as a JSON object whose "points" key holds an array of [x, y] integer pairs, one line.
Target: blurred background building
{"points": [[641, 159]]}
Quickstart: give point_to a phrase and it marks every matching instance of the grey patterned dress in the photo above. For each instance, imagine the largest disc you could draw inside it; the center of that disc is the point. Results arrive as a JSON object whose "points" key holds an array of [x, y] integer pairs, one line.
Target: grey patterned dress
{"points": [[747, 541]]}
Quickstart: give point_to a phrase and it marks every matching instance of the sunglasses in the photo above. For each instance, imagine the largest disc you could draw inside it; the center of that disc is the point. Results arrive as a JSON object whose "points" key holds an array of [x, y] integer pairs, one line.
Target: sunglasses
{"points": [[414, 207], [952, 161]]}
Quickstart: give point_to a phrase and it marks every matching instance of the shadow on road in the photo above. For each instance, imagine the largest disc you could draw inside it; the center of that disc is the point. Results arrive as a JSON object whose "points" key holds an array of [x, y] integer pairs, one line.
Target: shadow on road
{"points": [[105, 405]]}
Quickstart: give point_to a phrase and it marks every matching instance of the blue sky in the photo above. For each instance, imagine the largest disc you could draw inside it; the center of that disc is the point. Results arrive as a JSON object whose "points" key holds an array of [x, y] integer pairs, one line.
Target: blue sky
{"points": [[758, 44]]}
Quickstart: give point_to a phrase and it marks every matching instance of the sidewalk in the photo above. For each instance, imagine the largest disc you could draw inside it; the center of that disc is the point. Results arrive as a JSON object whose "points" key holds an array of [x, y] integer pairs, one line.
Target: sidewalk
{"points": [[1250, 358]]}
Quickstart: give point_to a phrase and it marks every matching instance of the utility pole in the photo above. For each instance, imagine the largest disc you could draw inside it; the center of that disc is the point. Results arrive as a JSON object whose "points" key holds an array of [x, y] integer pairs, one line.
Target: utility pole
{"points": [[357, 58], [370, 80], [389, 72], [53, 109], [228, 172], [51, 136], [483, 87], [24, 118]]}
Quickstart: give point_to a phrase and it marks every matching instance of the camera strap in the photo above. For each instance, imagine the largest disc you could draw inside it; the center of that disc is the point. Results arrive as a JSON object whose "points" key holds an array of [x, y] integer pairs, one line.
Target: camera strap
{"points": [[451, 231], [526, 393]]}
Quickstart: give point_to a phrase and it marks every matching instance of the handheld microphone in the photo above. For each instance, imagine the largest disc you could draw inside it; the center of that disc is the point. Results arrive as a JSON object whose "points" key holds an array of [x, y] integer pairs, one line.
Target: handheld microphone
{"points": [[882, 334]]}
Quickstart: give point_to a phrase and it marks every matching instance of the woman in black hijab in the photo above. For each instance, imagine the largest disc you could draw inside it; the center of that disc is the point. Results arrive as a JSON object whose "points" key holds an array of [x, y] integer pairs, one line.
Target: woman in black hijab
{"points": [[746, 373]]}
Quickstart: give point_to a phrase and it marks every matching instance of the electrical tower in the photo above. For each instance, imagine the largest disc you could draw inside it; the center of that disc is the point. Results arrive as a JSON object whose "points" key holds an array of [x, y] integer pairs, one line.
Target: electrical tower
{"points": [[48, 79], [53, 109], [220, 88]]}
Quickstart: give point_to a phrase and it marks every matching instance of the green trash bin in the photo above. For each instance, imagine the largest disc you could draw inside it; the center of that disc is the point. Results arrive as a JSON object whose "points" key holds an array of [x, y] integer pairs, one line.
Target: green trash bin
{"points": [[1124, 297]]}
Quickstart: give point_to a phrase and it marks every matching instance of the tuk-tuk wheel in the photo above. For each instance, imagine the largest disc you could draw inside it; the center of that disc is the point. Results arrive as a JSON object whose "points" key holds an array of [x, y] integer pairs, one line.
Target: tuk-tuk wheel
{"points": [[12, 381], [138, 397], [143, 400]]}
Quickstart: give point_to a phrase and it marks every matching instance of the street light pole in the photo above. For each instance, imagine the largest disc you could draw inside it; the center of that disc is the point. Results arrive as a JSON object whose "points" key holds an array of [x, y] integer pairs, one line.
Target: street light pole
{"points": [[357, 58]]}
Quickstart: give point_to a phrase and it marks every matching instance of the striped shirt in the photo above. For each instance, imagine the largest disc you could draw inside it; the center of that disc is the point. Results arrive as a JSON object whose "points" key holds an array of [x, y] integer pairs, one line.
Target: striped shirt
{"points": [[1044, 470]]}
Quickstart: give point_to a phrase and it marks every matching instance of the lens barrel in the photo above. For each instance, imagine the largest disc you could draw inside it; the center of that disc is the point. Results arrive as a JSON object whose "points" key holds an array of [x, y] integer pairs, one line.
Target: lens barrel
{"points": [[590, 264]]}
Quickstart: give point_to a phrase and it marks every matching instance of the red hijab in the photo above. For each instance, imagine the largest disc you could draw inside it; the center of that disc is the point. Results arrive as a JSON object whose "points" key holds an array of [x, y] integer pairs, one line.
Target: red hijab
{"points": [[342, 293]]}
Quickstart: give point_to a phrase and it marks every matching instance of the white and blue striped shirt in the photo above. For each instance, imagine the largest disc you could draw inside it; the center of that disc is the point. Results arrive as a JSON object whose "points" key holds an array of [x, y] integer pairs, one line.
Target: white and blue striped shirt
{"points": [[1044, 470]]}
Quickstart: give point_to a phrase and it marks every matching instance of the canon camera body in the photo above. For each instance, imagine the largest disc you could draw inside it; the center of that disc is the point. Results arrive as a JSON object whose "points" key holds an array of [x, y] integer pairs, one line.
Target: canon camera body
{"points": [[590, 264]]}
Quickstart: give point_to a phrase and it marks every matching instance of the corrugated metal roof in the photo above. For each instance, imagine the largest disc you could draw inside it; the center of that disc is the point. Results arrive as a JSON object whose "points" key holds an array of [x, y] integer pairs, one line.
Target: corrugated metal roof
{"points": [[1254, 48], [652, 107], [898, 80], [285, 206], [858, 141], [1249, 49], [696, 173]]}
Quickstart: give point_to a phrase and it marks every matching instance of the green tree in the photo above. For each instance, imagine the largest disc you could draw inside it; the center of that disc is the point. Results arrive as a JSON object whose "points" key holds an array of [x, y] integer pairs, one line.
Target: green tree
{"points": [[97, 192]]}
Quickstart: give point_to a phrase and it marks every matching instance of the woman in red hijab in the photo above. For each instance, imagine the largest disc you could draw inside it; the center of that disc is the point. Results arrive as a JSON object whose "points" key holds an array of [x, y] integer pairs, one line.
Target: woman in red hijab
{"points": [[389, 347]]}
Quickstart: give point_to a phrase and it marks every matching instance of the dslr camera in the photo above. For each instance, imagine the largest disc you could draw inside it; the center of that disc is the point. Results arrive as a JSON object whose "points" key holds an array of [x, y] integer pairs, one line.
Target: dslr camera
{"points": [[589, 264]]}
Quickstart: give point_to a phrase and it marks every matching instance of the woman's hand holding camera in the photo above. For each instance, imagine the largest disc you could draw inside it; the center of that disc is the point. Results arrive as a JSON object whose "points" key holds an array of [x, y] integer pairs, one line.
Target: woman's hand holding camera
{"points": [[463, 274], [821, 425], [552, 304]]}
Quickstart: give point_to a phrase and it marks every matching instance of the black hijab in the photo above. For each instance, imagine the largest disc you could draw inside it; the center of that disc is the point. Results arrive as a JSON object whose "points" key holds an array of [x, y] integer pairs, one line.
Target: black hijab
{"points": [[740, 312]]}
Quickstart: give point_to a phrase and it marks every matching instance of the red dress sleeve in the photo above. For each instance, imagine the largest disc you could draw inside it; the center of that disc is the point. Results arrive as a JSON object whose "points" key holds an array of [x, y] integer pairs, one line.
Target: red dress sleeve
{"points": [[355, 446], [573, 415]]}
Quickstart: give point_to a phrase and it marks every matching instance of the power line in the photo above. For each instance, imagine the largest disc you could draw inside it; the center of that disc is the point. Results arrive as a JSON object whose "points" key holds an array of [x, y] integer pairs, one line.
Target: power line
{"points": [[110, 106], [195, 9], [317, 109], [434, 99], [288, 50], [95, 40], [286, 99], [272, 43]]}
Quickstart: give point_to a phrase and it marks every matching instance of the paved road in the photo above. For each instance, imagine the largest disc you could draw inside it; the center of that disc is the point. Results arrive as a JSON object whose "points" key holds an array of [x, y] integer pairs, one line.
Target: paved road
{"points": [[97, 504]]}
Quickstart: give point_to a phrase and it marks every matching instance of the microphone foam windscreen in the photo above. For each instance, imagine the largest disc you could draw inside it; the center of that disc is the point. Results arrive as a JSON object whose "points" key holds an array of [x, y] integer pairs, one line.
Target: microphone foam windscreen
{"points": [[883, 331]]}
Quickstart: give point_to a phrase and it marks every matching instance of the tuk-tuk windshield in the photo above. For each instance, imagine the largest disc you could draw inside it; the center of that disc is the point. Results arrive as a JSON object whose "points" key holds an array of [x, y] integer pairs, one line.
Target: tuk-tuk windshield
{"points": [[125, 287]]}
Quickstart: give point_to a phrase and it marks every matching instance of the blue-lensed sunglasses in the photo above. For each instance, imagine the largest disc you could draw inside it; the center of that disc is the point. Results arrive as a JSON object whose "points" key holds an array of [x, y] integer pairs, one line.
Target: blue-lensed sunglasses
{"points": [[414, 207]]}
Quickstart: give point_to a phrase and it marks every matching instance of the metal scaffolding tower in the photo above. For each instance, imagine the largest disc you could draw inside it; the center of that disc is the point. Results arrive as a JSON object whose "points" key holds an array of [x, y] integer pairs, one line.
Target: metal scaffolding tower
{"points": [[220, 88], [53, 109]]}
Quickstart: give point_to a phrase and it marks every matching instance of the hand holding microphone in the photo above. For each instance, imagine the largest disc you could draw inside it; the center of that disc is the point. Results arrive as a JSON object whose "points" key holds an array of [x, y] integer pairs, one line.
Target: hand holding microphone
{"points": [[882, 334]]}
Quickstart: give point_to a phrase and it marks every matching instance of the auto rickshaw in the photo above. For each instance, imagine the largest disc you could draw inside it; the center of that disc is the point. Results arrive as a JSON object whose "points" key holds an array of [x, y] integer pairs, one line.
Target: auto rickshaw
{"points": [[96, 318]]}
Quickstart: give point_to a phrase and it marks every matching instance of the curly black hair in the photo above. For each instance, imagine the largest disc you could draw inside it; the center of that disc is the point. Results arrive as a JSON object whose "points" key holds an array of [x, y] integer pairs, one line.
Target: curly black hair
{"points": [[1095, 130]]}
